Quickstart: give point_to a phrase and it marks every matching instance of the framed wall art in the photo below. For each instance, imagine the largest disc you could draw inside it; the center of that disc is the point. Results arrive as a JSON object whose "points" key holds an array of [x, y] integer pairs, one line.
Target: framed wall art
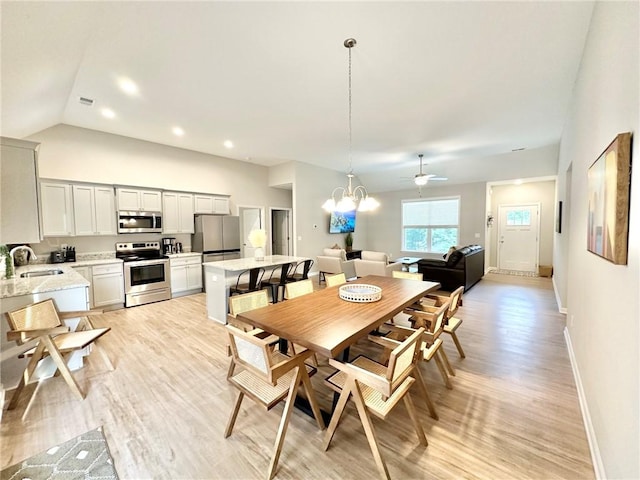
{"points": [[609, 191]]}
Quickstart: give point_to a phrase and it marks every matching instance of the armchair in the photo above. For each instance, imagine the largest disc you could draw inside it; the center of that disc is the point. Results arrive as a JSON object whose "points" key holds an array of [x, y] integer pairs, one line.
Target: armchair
{"points": [[334, 261], [375, 263]]}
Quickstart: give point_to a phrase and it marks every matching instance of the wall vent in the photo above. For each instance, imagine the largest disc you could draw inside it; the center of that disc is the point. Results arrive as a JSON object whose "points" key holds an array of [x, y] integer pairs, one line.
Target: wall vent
{"points": [[86, 101]]}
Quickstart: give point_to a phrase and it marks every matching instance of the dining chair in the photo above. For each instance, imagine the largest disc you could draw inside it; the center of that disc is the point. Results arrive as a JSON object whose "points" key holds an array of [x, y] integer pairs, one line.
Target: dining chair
{"points": [[42, 322], [294, 290], [277, 283], [407, 275], [334, 280], [269, 377], [376, 389], [433, 322], [254, 282], [300, 271], [452, 322]]}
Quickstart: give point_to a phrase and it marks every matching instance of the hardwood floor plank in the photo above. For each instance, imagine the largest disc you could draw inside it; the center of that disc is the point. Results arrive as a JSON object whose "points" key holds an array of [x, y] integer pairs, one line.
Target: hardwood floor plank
{"points": [[513, 411]]}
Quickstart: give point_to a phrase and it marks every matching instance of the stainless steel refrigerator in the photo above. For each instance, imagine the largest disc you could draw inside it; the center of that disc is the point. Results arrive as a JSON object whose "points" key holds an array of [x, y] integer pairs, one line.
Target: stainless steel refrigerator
{"points": [[217, 237]]}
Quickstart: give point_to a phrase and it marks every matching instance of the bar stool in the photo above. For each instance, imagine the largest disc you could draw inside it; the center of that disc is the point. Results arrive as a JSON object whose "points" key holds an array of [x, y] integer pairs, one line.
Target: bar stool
{"points": [[277, 283], [254, 284]]}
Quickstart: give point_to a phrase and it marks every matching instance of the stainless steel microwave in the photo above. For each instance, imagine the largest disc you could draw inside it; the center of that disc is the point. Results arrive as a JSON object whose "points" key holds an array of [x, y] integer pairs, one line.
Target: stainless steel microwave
{"points": [[139, 222]]}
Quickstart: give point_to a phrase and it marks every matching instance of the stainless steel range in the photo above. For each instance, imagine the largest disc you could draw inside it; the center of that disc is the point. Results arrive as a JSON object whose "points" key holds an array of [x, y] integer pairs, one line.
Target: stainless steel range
{"points": [[147, 276]]}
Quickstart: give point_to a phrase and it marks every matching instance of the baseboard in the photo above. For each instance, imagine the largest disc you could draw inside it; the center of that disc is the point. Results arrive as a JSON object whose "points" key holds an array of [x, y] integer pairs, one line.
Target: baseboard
{"points": [[586, 417], [489, 269], [561, 309]]}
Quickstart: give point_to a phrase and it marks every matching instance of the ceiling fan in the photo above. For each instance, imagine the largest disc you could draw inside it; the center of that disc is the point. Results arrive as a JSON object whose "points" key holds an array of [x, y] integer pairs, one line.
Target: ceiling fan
{"points": [[421, 179]]}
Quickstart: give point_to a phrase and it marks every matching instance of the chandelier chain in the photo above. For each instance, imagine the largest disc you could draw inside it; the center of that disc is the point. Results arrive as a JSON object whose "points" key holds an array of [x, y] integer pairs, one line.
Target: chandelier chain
{"points": [[350, 135]]}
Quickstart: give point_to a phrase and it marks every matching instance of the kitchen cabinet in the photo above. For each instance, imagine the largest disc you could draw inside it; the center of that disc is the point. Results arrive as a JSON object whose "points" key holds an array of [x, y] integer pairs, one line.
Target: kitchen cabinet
{"points": [[19, 215], [57, 209], [186, 275], [130, 199], [94, 210], [107, 284], [211, 204], [177, 212]]}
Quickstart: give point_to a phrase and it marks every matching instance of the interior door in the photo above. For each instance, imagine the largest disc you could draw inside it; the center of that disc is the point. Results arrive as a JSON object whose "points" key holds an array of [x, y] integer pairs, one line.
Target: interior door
{"points": [[518, 237], [280, 226], [250, 219]]}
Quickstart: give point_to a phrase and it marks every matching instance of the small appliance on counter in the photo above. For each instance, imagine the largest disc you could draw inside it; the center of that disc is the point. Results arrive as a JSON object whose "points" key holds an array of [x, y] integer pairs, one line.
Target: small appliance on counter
{"points": [[56, 256], [69, 254], [168, 245]]}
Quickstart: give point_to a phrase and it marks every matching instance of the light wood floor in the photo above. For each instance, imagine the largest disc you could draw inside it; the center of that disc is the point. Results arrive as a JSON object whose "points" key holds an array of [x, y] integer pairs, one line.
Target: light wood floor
{"points": [[513, 411]]}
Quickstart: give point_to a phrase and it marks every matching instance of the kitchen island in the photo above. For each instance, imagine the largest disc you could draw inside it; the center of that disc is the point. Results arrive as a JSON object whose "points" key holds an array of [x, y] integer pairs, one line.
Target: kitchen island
{"points": [[69, 290], [219, 276]]}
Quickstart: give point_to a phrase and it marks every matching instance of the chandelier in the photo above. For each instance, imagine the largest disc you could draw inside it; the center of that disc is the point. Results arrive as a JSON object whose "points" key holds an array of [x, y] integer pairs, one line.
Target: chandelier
{"points": [[350, 198]]}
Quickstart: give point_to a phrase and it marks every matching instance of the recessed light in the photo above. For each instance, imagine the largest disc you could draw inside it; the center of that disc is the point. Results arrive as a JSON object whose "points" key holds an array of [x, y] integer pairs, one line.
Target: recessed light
{"points": [[228, 143], [518, 182], [108, 113], [177, 131], [128, 86]]}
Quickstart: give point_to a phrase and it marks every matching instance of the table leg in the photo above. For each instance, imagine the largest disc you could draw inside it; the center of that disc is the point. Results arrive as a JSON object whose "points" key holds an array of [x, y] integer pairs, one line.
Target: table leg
{"points": [[344, 358]]}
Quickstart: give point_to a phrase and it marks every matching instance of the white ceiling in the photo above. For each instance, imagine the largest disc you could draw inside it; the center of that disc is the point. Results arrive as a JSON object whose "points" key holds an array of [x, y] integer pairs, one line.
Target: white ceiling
{"points": [[457, 81]]}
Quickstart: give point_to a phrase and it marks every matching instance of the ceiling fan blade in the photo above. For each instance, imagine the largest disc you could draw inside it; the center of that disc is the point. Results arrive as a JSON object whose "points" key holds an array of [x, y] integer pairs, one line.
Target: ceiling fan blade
{"points": [[437, 179]]}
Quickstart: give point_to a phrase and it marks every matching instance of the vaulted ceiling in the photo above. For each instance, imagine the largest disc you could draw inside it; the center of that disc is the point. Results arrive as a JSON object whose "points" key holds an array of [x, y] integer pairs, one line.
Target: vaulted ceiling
{"points": [[462, 82]]}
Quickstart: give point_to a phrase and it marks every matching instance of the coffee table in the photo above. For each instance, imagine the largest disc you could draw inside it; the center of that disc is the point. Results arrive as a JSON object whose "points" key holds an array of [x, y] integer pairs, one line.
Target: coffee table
{"points": [[408, 261]]}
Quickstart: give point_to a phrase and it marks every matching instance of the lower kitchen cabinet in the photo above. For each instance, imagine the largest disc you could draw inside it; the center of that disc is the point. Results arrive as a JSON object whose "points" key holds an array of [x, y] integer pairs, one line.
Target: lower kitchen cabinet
{"points": [[107, 284], [186, 275]]}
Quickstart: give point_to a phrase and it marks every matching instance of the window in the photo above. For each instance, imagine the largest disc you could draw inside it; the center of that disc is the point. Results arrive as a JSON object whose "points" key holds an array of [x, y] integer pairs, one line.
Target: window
{"points": [[519, 217], [430, 225]]}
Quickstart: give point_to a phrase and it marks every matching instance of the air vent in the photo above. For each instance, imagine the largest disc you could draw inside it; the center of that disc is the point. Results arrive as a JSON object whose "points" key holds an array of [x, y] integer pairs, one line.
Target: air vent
{"points": [[86, 101], [518, 149]]}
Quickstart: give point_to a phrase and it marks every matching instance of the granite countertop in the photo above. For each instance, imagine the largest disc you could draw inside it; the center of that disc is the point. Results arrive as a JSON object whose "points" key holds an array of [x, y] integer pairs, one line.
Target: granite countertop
{"points": [[18, 286], [184, 254], [241, 264]]}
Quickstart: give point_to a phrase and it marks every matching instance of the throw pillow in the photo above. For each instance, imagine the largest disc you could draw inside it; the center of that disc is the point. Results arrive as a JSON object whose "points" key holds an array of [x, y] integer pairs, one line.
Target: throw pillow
{"points": [[448, 254]]}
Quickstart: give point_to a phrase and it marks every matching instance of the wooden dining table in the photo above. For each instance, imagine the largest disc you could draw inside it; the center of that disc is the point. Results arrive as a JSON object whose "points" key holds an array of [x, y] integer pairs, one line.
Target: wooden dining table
{"points": [[323, 322]]}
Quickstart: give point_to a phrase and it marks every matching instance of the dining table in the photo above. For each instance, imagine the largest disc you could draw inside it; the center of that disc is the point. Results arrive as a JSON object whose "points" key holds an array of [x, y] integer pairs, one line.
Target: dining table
{"points": [[328, 325]]}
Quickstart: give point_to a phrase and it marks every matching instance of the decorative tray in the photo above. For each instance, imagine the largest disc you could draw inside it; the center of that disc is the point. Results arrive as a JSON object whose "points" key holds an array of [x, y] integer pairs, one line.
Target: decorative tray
{"points": [[360, 292]]}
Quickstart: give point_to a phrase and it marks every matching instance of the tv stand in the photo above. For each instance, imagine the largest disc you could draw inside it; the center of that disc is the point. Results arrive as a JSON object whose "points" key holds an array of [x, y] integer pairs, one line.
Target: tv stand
{"points": [[354, 254]]}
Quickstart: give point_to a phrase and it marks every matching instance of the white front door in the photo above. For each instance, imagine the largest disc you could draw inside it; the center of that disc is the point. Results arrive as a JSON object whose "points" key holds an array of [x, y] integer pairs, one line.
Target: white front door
{"points": [[518, 237], [250, 219]]}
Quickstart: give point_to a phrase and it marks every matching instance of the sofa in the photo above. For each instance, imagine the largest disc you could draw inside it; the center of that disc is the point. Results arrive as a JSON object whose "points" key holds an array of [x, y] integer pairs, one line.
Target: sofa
{"points": [[375, 263], [464, 266], [332, 261]]}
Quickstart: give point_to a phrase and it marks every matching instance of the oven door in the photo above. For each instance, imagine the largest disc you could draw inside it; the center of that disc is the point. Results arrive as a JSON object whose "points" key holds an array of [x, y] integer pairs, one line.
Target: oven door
{"points": [[146, 275]]}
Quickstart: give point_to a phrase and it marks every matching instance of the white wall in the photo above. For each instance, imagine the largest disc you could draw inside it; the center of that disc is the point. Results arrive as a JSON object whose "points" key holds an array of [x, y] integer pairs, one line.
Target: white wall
{"points": [[529, 192], [602, 298], [384, 229], [78, 154]]}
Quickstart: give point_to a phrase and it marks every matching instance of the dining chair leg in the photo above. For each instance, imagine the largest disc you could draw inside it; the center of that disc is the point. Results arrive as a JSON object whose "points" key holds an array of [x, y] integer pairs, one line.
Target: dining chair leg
{"points": [[62, 366], [445, 360], [234, 415], [458, 345], [311, 397], [31, 366], [423, 387], [284, 422], [369, 431], [443, 371], [422, 438], [337, 413]]}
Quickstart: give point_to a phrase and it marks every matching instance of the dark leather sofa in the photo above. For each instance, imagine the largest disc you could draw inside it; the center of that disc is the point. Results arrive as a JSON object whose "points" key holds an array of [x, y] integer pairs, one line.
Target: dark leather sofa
{"points": [[464, 266]]}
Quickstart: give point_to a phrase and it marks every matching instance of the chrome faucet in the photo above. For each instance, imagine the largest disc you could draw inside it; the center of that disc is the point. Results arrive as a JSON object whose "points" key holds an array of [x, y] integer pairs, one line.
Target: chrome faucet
{"points": [[21, 247]]}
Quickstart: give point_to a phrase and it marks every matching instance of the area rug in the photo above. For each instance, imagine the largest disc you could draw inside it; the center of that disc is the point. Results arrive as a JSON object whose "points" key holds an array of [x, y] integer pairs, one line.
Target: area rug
{"points": [[84, 457]]}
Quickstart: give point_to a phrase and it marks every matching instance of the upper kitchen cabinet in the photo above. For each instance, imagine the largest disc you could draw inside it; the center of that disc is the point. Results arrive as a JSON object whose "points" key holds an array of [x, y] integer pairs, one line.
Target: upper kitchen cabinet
{"points": [[130, 199], [19, 220], [211, 204], [94, 210], [57, 209], [177, 212]]}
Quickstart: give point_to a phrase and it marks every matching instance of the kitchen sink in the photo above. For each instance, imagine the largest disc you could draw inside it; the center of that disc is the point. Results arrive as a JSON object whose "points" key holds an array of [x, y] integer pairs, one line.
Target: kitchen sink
{"points": [[41, 273]]}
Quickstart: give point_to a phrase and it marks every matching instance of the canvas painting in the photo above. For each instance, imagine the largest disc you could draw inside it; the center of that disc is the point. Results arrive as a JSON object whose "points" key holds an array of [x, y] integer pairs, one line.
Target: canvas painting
{"points": [[608, 190]]}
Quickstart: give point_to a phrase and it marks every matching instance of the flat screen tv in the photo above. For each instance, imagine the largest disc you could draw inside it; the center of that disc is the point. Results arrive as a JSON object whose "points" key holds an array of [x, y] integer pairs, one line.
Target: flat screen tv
{"points": [[342, 222]]}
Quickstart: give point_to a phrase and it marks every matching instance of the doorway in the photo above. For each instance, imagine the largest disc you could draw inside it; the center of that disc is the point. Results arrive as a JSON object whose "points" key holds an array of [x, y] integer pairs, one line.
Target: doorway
{"points": [[281, 231], [251, 218], [518, 237]]}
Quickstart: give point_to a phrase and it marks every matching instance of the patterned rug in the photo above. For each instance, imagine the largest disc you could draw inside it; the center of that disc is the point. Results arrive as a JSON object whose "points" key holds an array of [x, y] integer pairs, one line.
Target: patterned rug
{"points": [[83, 457], [519, 273]]}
